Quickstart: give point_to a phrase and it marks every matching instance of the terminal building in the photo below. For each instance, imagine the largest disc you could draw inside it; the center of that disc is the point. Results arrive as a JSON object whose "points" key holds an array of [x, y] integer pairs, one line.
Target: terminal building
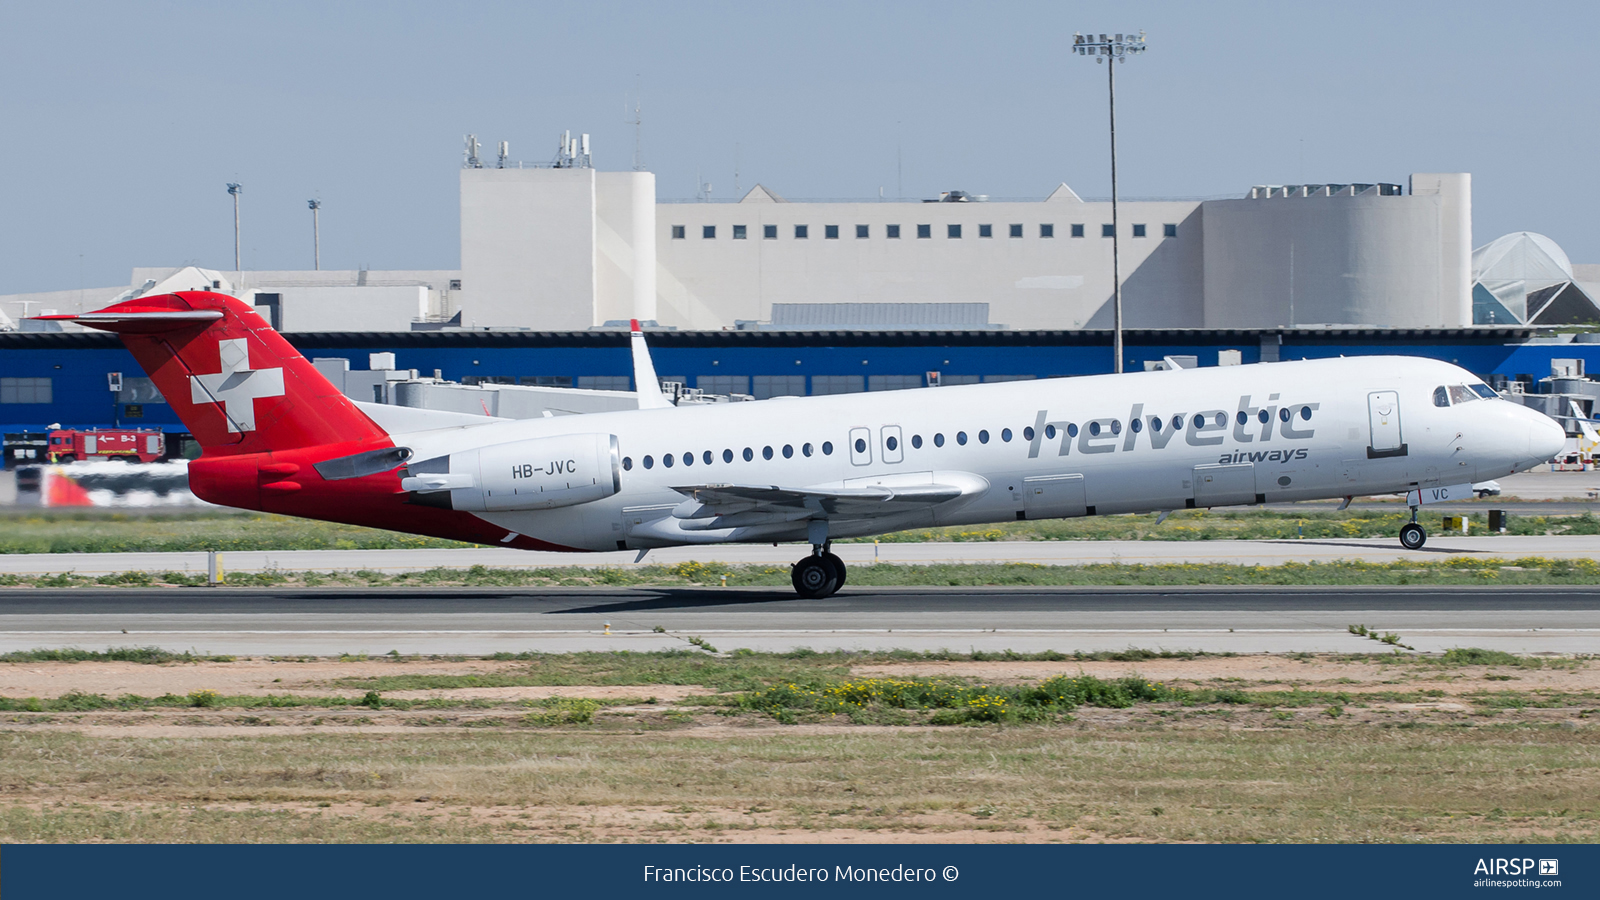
{"points": [[764, 296]]}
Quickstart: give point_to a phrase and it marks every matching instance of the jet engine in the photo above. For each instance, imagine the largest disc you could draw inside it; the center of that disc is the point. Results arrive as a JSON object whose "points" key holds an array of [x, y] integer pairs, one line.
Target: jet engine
{"points": [[542, 473]]}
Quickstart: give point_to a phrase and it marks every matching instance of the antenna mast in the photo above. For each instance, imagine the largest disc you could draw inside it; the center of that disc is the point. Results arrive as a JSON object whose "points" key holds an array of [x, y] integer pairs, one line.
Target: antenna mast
{"points": [[638, 127]]}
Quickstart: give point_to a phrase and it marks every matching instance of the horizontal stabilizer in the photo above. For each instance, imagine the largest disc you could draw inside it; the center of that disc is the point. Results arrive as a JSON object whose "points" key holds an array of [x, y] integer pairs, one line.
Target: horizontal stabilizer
{"points": [[142, 321]]}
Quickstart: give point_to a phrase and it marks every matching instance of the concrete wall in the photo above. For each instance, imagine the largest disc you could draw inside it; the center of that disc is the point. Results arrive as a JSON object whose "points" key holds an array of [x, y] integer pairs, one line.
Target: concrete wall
{"points": [[1360, 260], [1028, 281], [528, 255], [348, 308]]}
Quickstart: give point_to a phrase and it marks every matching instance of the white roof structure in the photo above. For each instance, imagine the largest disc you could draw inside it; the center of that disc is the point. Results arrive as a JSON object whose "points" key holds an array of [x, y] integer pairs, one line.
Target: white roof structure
{"points": [[1526, 278]]}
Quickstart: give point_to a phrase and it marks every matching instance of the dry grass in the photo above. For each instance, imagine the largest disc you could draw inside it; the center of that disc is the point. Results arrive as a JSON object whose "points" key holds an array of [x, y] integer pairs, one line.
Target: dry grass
{"points": [[1465, 764]]}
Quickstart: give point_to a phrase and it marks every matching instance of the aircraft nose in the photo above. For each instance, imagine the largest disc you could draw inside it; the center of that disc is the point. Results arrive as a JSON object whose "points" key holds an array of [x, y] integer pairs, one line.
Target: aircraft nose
{"points": [[1546, 437]]}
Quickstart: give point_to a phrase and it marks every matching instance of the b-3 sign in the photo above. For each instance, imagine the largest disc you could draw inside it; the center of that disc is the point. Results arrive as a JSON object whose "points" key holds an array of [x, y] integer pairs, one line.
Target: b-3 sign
{"points": [[1439, 494]]}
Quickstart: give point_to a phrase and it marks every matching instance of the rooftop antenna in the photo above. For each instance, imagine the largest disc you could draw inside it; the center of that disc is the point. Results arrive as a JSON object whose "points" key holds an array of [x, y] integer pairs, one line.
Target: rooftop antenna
{"points": [[234, 190], [505, 151], [472, 153], [584, 159]]}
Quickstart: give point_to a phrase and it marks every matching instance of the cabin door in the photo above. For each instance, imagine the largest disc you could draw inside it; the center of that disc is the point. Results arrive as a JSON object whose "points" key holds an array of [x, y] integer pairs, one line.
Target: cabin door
{"points": [[1383, 414]]}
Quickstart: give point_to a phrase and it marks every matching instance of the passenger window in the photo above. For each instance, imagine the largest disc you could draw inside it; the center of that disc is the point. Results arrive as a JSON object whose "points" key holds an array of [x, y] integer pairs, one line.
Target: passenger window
{"points": [[706, 457], [1005, 435], [891, 442], [1284, 414], [983, 437], [1049, 432], [1177, 422], [788, 451], [1264, 417], [749, 454], [727, 456], [667, 460], [649, 463], [1242, 417], [1027, 433], [688, 459], [1460, 393], [766, 452], [938, 440], [1200, 421], [627, 464], [961, 438], [1137, 425], [1441, 397], [806, 449], [861, 445], [1116, 426], [1305, 413], [827, 448], [1094, 428], [1072, 430], [1155, 424], [916, 441]]}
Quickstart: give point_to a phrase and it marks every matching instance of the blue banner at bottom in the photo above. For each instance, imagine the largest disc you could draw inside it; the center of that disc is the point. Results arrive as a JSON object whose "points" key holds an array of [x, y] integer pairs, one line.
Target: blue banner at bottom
{"points": [[35, 872]]}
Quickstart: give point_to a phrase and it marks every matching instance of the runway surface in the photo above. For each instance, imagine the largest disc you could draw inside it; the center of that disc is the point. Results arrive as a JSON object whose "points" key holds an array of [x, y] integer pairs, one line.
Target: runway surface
{"points": [[1052, 553], [478, 621]]}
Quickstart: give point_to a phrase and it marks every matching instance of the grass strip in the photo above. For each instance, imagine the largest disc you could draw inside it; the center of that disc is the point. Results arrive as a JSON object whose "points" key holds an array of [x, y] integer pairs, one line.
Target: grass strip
{"points": [[105, 531], [1458, 570]]}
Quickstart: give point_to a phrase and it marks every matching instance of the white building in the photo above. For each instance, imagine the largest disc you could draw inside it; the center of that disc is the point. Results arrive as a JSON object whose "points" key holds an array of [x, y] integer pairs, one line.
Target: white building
{"points": [[568, 247], [559, 248]]}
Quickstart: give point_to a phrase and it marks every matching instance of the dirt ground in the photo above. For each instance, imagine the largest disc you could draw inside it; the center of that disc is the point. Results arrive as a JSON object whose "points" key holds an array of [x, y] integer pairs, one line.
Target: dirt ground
{"points": [[658, 764], [258, 677]]}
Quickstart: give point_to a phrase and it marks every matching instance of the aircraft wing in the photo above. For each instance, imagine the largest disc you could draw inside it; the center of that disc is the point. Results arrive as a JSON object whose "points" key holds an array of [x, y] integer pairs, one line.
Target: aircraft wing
{"points": [[711, 506]]}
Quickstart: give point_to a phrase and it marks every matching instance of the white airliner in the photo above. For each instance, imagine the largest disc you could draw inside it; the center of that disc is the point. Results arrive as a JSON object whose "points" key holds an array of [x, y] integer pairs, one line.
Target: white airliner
{"points": [[277, 436]]}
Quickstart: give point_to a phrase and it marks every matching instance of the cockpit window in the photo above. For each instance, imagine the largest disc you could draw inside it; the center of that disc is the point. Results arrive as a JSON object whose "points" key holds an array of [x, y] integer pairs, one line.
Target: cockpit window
{"points": [[1486, 392], [1441, 396], [1460, 393]]}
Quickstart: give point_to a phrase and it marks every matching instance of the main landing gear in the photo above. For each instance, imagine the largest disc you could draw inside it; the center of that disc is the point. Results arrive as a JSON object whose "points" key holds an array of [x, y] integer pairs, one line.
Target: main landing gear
{"points": [[819, 574], [1412, 535]]}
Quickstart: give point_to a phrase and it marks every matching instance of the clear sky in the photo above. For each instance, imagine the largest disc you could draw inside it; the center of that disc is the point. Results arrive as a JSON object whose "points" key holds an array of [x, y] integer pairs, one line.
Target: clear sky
{"points": [[123, 120]]}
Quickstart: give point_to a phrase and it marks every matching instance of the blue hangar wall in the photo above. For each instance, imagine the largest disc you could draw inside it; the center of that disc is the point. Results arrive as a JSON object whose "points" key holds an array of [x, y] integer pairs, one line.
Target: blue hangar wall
{"points": [[76, 364]]}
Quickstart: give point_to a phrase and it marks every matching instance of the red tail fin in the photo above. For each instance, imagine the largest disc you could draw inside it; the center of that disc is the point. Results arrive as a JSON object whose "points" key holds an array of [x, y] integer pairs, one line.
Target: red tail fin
{"points": [[237, 384]]}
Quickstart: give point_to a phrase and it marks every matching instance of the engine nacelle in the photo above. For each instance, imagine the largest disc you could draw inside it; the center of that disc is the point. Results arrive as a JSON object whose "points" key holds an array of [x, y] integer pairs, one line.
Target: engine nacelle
{"points": [[542, 473]]}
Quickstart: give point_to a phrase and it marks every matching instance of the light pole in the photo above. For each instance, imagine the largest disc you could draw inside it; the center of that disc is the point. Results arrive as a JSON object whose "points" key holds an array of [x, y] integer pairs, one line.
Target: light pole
{"points": [[316, 235], [1118, 47], [233, 190]]}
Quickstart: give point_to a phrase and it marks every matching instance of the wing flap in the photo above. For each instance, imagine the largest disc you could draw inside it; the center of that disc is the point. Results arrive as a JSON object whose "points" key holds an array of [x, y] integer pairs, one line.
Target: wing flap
{"points": [[708, 506]]}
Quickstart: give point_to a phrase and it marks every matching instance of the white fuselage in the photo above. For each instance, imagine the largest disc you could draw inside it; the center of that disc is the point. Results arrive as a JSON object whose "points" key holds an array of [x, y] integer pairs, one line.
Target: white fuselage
{"points": [[1235, 435]]}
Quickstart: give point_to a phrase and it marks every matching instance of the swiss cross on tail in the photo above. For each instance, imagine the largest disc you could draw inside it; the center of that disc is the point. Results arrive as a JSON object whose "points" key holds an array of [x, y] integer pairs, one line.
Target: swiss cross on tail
{"points": [[237, 387]]}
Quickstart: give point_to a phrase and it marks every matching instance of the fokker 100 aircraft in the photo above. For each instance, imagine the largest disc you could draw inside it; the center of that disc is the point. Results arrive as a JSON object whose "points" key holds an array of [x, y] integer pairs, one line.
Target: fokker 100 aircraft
{"points": [[277, 436]]}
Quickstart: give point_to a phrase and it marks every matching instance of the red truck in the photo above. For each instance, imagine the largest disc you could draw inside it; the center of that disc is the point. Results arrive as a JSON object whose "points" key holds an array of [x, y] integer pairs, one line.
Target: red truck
{"points": [[123, 444]]}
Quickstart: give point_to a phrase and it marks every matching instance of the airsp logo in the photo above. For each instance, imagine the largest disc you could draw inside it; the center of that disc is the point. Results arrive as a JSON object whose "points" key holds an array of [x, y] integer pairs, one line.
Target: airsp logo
{"points": [[237, 386]]}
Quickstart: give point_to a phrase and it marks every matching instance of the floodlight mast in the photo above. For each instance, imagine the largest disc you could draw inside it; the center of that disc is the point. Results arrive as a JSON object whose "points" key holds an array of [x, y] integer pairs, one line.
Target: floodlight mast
{"points": [[1118, 47], [316, 235], [233, 190]]}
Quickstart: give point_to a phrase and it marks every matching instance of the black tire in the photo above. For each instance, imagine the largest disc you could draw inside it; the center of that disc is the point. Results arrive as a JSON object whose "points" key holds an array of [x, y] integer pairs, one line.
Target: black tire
{"points": [[839, 574], [813, 578], [1412, 536]]}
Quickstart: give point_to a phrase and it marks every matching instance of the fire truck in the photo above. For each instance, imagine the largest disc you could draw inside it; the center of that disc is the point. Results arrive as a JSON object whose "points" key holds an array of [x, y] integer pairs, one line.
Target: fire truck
{"points": [[122, 444]]}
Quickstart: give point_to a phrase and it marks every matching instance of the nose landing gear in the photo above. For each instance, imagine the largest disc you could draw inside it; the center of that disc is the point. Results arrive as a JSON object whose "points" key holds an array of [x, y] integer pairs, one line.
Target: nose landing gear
{"points": [[818, 575], [1412, 535]]}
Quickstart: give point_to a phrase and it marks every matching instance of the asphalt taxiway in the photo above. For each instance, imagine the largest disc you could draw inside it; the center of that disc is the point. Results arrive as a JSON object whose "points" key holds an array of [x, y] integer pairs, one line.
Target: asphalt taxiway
{"points": [[475, 621]]}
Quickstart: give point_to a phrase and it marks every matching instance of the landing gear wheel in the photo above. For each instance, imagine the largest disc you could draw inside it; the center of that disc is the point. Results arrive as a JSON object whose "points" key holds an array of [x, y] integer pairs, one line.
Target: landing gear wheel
{"points": [[813, 578], [838, 569], [1412, 537]]}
